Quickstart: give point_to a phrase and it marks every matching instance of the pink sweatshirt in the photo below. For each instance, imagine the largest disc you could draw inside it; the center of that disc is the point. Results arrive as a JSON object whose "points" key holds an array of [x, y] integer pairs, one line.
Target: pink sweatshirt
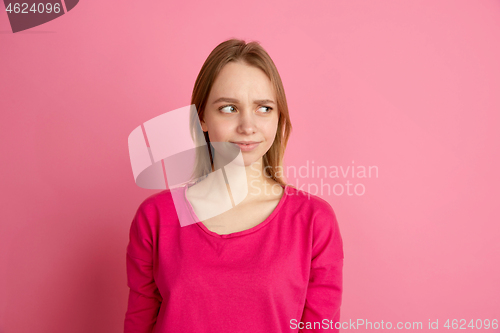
{"points": [[282, 275]]}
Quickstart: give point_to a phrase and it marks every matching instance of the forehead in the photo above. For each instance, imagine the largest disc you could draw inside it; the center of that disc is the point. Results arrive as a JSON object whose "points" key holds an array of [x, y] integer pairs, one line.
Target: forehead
{"points": [[238, 78]]}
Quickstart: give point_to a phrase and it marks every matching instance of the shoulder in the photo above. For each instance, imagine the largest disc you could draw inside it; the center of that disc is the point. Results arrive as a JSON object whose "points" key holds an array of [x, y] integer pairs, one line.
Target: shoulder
{"points": [[322, 223], [306, 201], [156, 199], [157, 208], [317, 210]]}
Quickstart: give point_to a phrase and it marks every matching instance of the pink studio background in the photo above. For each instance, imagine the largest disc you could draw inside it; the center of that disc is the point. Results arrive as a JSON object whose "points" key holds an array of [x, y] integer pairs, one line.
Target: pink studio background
{"points": [[408, 86]]}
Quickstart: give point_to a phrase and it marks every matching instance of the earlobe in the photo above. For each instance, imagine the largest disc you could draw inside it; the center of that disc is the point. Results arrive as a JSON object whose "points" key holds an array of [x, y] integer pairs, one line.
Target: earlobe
{"points": [[204, 126]]}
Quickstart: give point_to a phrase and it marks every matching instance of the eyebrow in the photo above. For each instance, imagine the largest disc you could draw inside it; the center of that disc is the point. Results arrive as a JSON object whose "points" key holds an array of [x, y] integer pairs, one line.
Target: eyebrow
{"points": [[233, 100]]}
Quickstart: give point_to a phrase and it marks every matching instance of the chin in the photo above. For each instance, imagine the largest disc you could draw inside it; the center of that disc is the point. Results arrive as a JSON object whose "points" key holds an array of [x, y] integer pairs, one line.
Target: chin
{"points": [[249, 160]]}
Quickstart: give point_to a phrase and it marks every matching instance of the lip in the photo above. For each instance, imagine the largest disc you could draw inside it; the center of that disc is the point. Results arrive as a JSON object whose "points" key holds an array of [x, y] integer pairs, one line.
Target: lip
{"points": [[246, 145]]}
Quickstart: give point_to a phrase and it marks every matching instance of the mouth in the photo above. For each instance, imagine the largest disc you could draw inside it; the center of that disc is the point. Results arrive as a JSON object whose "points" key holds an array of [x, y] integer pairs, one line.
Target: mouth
{"points": [[246, 145]]}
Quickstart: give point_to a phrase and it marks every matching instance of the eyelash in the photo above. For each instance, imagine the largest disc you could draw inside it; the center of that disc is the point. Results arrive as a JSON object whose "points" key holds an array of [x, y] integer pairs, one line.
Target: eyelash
{"points": [[263, 106]]}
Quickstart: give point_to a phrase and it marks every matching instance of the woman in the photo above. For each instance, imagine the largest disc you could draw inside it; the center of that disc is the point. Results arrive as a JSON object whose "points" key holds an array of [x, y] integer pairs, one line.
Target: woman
{"points": [[272, 262]]}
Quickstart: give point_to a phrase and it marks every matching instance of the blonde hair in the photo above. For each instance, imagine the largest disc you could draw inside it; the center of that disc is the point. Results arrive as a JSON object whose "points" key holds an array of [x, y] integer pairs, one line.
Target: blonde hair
{"points": [[253, 54]]}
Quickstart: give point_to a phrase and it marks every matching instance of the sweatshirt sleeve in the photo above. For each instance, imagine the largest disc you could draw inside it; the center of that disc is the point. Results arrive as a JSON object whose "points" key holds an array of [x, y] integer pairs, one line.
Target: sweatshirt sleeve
{"points": [[144, 298], [324, 291]]}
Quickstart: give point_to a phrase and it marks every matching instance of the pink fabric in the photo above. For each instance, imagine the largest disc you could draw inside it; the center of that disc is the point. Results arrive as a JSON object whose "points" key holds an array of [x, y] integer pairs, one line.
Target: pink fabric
{"points": [[286, 270]]}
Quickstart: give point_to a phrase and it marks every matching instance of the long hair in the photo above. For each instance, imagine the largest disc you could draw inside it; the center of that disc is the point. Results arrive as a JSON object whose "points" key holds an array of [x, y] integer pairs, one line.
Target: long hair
{"points": [[253, 54]]}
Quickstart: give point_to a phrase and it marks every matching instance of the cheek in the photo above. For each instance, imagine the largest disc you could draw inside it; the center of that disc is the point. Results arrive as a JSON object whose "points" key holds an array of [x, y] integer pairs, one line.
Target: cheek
{"points": [[219, 131], [270, 130]]}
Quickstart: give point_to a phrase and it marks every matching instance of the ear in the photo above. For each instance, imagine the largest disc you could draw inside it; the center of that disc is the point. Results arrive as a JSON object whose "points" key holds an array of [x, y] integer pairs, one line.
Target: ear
{"points": [[204, 126]]}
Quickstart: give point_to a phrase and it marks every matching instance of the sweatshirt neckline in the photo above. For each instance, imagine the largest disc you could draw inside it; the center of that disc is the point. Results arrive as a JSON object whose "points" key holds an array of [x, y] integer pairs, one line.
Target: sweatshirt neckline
{"points": [[243, 232]]}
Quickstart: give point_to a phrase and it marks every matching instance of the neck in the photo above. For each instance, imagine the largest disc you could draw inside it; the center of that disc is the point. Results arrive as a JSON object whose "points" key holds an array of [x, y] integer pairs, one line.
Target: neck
{"points": [[259, 184]]}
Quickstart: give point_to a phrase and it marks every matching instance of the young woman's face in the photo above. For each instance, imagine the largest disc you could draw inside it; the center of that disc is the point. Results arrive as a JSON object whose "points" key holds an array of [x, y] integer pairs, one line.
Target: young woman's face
{"points": [[241, 109]]}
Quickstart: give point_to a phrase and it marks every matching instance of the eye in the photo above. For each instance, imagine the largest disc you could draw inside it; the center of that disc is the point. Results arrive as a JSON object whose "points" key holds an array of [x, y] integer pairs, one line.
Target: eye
{"points": [[227, 108], [267, 109]]}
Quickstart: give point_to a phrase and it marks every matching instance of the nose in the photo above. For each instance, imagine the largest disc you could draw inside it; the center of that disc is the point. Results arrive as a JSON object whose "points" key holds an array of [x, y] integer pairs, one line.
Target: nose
{"points": [[246, 123]]}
